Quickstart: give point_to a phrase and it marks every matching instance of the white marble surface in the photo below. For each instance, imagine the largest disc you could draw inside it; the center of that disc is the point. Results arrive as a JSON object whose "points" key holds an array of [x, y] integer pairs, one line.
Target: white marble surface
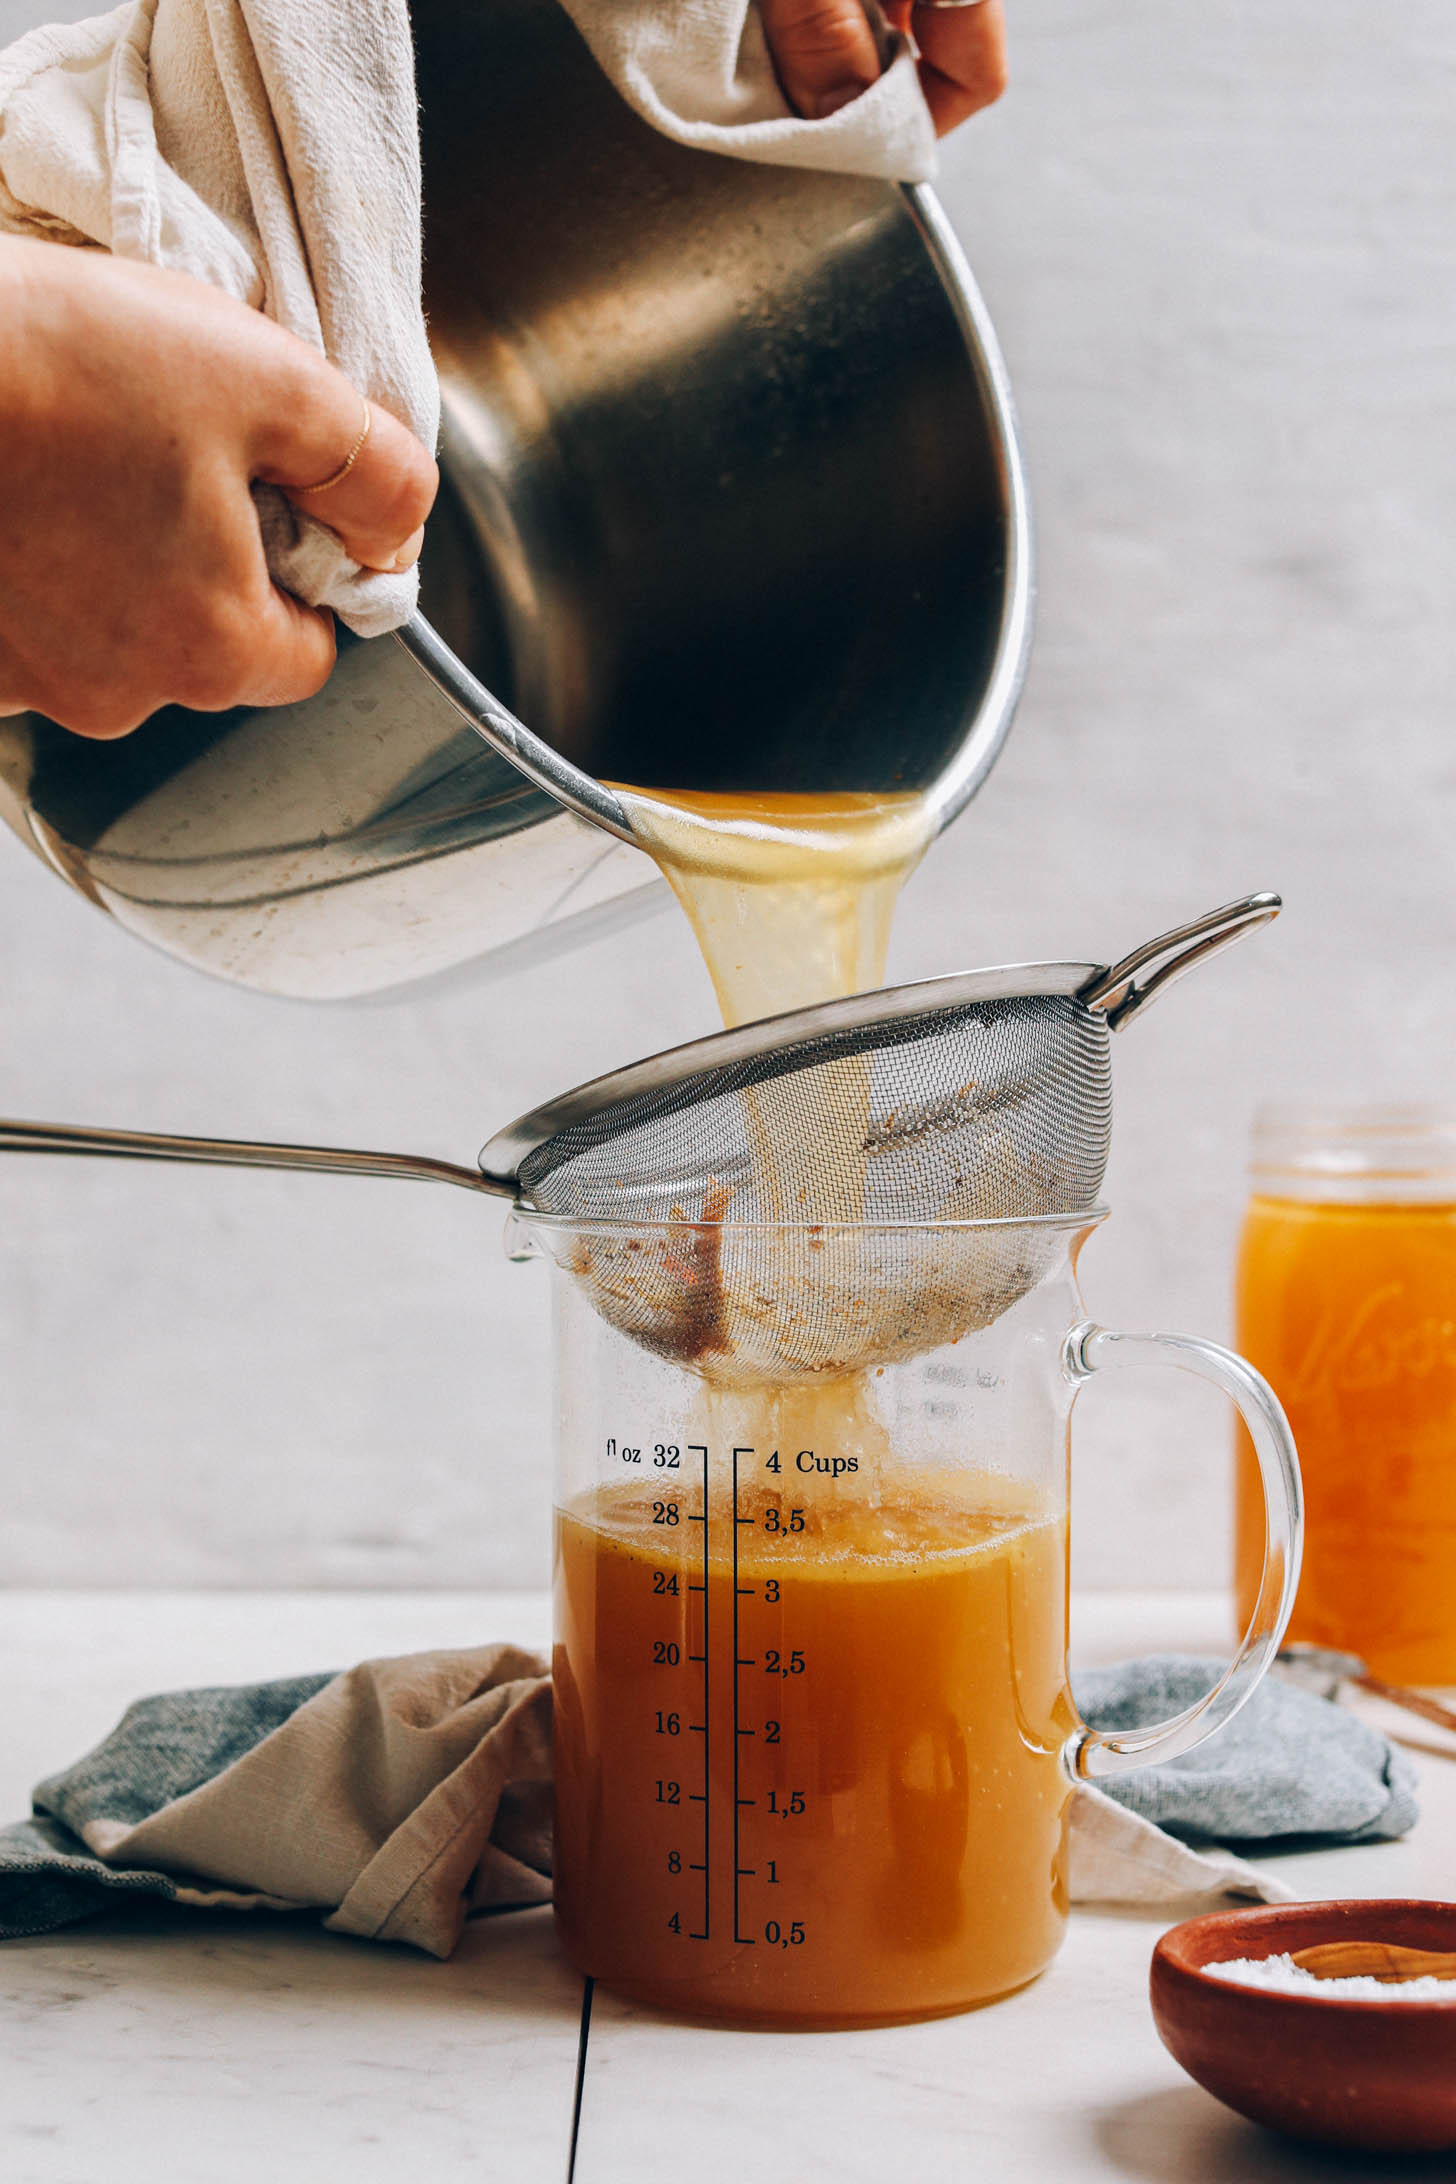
{"points": [[218, 2051], [1219, 244]]}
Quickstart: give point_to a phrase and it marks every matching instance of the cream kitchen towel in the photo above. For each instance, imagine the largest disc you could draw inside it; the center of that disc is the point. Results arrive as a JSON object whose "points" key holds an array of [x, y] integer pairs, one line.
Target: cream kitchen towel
{"points": [[270, 147], [266, 146], [700, 71]]}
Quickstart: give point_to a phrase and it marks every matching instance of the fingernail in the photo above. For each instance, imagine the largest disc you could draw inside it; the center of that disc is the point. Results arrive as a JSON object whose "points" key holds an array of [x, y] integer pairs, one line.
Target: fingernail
{"points": [[408, 554], [837, 96]]}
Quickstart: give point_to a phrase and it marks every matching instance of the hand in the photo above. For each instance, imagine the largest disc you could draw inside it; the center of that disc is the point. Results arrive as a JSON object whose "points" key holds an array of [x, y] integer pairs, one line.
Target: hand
{"points": [[824, 52], [136, 407]]}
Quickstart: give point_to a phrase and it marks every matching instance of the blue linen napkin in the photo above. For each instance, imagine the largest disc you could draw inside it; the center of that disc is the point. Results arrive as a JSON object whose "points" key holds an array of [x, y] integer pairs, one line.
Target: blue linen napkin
{"points": [[1287, 1765]]}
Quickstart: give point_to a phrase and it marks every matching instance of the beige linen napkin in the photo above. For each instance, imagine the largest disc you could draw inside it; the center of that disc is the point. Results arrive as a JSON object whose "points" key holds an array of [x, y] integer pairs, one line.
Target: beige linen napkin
{"points": [[1117, 1856], [403, 1796]]}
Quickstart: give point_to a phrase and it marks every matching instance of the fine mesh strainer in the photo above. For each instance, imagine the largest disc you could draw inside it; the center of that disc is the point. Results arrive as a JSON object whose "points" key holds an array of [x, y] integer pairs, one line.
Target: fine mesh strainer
{"points": [[735, 1203]]}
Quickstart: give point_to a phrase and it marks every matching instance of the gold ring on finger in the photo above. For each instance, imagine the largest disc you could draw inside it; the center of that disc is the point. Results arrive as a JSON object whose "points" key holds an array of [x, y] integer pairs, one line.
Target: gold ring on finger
{"points": [[335, 477]]}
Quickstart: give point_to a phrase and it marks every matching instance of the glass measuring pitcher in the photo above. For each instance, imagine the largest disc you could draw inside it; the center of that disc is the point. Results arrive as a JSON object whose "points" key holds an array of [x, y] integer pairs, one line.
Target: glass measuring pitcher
{"points": [[815, 1745]]}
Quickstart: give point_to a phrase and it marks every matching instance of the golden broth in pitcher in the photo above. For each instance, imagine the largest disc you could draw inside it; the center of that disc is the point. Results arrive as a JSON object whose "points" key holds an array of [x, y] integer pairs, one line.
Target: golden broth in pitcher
{"points": [[884, 1776]]}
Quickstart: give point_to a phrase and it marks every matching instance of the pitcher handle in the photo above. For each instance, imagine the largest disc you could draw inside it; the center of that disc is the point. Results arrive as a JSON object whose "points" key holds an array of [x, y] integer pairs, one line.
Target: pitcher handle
{"points": [[1092, 1754]]}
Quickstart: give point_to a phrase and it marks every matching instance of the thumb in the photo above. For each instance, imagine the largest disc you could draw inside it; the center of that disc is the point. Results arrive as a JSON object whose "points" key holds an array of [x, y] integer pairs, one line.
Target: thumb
{"points": [[290, 651], [346, 462], [823, 52]]}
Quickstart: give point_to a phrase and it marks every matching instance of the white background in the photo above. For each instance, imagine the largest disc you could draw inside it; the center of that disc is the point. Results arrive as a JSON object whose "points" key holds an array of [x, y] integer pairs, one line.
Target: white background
{"points": [[1219, 244]]}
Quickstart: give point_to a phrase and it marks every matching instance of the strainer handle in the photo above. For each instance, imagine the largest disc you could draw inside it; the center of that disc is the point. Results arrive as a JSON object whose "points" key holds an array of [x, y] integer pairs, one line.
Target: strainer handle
{"points": [[61, 1137], [1121, 991], [1092, 1754]]}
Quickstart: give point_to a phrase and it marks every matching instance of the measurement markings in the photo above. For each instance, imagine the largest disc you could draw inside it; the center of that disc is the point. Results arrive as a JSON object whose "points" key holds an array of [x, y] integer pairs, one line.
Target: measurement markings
{"points": [[696, 1448], [739, 1801]]}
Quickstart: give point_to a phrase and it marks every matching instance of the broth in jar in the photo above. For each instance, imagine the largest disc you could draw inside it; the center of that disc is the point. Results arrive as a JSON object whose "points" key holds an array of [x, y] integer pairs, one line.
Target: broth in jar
{"points": [[1347, 1305]]}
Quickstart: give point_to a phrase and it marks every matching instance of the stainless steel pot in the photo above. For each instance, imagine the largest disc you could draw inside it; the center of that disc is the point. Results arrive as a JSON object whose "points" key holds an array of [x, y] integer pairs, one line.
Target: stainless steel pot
{"points": [[732, 499]]}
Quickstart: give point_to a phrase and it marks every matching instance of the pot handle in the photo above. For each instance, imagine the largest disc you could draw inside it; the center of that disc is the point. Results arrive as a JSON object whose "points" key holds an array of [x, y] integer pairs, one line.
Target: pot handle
{"points": [[1091, 1755]]}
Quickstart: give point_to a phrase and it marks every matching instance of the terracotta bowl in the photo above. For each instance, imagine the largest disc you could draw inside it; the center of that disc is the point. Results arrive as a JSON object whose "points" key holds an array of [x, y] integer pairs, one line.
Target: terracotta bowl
{"points": [[1378, 2075]]}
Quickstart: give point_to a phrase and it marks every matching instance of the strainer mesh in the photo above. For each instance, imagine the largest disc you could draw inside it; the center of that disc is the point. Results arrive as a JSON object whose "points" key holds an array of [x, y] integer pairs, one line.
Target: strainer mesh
{"points": [[751, 1209], [993, 1110]]}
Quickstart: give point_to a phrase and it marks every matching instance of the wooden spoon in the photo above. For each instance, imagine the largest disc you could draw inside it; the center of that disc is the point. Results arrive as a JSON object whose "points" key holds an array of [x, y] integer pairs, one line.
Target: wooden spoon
{"points": [[1382, 1960]]}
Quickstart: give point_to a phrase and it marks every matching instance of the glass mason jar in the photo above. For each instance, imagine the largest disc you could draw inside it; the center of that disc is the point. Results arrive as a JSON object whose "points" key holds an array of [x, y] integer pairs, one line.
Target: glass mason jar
{"points": [[815, 1744], [1347, 1304]]}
